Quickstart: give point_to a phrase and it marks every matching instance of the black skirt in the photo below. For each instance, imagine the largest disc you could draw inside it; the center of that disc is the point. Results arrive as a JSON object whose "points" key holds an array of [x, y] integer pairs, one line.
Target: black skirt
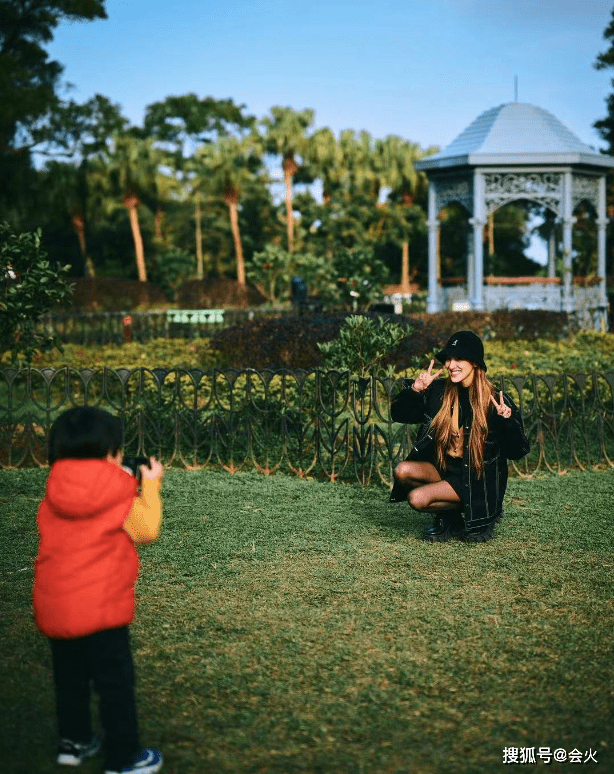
{"points": [[453, 474]]}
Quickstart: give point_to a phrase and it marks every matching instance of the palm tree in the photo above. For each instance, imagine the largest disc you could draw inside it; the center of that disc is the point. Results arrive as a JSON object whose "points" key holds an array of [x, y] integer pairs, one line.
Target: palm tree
{"points": [[132, 171], [197, 187], [407, 185], [226, 167], [285, 137], [65, 187], [323, 153]]}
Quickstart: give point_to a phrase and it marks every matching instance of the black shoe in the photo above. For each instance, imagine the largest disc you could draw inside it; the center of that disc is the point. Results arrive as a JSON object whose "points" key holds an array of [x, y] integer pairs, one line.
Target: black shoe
{"points": [[445, 527], [440, 532], [74, 753]]}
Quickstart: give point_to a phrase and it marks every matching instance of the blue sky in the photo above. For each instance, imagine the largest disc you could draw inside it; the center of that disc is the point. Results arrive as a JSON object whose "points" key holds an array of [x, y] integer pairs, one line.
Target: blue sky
{"points": [[422, 69]]}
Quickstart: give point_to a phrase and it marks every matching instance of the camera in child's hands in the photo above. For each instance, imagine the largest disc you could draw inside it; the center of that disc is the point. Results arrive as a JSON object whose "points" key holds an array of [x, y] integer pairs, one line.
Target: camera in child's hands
{"points": [[133, 465]]}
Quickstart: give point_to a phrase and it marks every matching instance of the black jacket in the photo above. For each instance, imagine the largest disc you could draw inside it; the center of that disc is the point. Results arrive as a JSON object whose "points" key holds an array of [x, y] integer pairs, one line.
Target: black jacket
{"points": [[506, 440]]}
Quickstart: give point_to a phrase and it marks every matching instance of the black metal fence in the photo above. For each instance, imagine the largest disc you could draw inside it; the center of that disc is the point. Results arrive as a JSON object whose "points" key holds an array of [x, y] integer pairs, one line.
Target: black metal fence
{"points": [[310, 423], [119, 327]]}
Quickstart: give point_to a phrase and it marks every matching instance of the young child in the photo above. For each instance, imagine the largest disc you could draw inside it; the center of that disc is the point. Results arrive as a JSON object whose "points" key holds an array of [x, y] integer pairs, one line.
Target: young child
{"points": [[84, 576]]}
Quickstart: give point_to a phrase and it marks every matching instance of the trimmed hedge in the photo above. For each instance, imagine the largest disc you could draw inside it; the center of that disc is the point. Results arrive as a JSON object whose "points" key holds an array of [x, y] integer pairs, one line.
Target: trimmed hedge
{"points": [[157, 353], [583, 353], [108, 294], [217, 293], [291, 342], [503, 324]]}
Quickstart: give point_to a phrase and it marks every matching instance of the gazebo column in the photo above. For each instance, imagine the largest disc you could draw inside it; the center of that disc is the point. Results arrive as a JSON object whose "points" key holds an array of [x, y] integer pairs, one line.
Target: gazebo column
{"points": [[432, 299], [568, 221], [477, 298], [470, 266], [478, 222], [552, 251], [602, 223], [568, 302]]}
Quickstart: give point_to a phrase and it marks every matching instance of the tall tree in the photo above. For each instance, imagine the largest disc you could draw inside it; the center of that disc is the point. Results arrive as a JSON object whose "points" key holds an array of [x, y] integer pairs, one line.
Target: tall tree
{"points": [[286, 137], [406, 184], [81, 133], [361, 167], [179, 125], [605, 126], [323, 154], [182, 123], [228, 167], [605, 61], [29, 80], [132, 171], [65, 198]]}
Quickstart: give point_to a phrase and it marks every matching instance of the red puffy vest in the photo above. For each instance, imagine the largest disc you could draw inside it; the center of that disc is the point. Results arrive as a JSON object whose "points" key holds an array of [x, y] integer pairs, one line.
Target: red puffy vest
{"points": [[87, 564]]}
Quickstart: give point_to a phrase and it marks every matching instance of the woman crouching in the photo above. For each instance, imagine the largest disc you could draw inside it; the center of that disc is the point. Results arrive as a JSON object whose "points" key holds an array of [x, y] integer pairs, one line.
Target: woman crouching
{"points": [[458, 468]]}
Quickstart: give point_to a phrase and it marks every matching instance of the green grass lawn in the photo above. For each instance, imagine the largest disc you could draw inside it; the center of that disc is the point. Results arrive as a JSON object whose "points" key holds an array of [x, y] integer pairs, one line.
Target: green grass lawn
{"points": [[296, 626]]}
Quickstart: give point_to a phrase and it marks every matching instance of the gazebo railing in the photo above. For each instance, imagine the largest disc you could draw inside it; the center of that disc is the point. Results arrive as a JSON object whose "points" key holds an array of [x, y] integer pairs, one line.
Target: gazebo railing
{"points": [[308, 423]]}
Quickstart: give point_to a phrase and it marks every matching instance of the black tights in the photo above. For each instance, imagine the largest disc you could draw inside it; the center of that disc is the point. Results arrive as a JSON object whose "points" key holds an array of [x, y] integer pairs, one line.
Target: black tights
{"points": [[103, 659]]}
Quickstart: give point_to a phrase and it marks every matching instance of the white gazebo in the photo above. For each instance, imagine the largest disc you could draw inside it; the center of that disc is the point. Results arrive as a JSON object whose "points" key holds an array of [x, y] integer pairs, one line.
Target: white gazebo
{"points": [[511, 152]]}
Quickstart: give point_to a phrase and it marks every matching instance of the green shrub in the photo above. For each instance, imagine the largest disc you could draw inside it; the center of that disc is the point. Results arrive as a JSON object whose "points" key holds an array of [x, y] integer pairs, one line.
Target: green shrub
{"points": [[32, 286], [362, 346], [582, 353], [157, 353], [272, 269]]}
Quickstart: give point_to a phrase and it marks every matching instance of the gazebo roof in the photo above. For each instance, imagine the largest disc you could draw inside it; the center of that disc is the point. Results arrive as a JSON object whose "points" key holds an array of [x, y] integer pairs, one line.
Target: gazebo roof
{"points": [[516, 134]]}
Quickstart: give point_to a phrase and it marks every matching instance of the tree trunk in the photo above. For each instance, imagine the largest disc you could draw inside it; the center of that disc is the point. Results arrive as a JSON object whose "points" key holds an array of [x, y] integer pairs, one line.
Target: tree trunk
{"points": [[408, 201], [290, 169], [79, 228], [232, 200], [405, 268], [159, 219], [199, 239], [132, 202]]}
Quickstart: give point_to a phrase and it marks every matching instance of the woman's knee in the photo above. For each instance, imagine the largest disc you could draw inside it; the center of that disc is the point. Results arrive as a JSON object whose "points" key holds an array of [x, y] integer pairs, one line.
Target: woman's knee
{"points": [[418, 499], [405, 472]]}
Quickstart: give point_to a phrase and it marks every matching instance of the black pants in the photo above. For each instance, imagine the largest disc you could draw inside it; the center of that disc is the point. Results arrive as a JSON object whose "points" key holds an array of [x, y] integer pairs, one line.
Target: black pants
{"points": [[103, 659]]}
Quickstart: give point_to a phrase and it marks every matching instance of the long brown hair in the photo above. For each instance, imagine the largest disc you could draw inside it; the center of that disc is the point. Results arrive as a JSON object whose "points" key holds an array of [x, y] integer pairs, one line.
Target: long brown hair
{"points": [[480, 391]]}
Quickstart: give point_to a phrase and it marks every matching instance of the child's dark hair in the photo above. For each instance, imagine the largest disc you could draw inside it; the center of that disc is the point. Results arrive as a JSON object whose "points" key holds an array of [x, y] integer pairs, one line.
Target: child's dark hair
{"points": [[84, 432]]}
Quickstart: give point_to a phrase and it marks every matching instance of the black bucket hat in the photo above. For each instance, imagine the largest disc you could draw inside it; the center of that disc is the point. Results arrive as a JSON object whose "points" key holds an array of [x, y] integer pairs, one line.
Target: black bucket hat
{"points": [[463, 345]]}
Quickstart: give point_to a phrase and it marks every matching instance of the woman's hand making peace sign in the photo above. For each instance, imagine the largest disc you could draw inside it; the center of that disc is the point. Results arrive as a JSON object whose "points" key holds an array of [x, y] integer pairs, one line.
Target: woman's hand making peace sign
{"points": [[503, 410], [425, 378]]}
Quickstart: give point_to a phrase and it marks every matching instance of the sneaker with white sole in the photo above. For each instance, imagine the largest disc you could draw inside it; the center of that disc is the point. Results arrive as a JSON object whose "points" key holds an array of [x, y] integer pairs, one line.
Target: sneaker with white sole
{"points": [[148, 761], [74, 753]]}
